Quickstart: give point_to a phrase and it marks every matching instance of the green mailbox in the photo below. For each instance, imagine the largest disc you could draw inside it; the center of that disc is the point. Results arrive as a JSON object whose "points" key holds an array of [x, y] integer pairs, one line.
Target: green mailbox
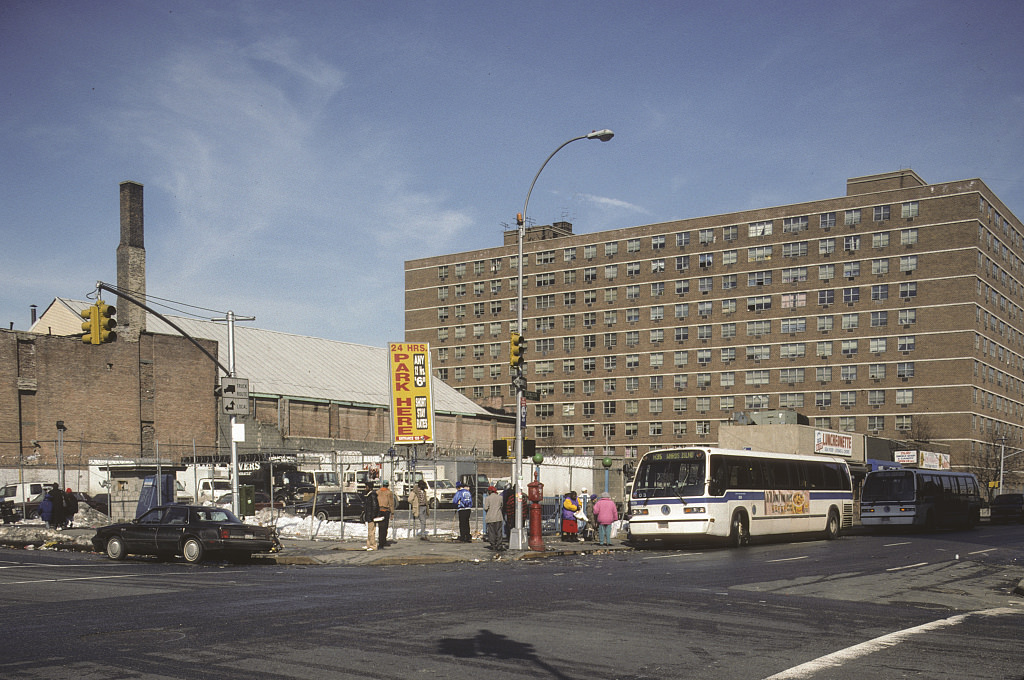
{"points": [[246, 500]]}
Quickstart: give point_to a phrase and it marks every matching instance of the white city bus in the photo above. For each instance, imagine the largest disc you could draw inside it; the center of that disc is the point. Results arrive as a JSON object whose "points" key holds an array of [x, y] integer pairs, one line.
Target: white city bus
{"points": [[689, 492]]}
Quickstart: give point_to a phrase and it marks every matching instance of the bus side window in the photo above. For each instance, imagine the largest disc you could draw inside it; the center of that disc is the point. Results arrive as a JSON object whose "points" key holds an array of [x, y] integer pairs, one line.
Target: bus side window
{"points": [[929, 490], [718, 478]]}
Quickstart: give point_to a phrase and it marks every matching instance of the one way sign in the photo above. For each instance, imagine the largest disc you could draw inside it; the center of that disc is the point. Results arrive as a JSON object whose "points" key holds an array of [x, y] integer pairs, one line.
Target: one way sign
{"points": [[234, 394]]}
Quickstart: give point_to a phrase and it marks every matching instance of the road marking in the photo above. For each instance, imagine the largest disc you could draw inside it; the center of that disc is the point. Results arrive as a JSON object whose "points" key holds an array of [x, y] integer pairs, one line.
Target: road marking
{"points": [[661, 557], [789, 559], [837, 659], [979, 552], [80, 578], [893, 545], [909, 566]]}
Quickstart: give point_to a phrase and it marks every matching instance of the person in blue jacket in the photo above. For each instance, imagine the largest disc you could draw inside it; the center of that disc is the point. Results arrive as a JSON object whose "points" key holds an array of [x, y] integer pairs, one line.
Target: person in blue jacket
{"points": [[463, 502]]}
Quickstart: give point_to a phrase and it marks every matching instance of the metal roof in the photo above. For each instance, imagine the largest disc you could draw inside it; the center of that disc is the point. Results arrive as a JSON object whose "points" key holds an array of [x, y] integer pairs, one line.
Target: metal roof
{"points": [[287, 365]]}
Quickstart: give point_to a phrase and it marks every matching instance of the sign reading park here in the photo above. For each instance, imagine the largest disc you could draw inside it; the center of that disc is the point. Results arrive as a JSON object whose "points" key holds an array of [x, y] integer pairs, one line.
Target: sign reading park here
{"points": [[412, 403]]}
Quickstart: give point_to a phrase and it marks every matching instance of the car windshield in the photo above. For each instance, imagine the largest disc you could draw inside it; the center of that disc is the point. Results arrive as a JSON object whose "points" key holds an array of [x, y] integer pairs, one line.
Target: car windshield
{"points": [[442, 484], [889, 485]]}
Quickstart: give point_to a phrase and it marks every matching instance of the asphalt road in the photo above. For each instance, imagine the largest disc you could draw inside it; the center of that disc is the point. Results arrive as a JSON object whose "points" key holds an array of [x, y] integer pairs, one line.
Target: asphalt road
{"points": [[923, 606]]}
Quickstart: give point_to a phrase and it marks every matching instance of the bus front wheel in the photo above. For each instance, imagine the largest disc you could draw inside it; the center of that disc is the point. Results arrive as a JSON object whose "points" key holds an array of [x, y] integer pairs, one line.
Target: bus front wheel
{"points": [[739, 534], [833, 525]]}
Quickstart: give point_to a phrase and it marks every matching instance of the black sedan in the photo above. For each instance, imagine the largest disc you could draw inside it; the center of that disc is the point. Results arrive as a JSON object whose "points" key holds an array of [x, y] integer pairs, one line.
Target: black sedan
{"points": [[328, 506], [1007, 507], [192, 531]]}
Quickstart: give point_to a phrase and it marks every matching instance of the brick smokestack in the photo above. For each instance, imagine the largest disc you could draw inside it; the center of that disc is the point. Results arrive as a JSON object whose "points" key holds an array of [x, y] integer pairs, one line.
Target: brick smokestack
{"points": [[131, 264]]}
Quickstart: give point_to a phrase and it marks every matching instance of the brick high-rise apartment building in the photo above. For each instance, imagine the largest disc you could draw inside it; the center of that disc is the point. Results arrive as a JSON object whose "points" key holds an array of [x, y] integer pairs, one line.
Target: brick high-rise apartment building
{"points": [[897, 310]]}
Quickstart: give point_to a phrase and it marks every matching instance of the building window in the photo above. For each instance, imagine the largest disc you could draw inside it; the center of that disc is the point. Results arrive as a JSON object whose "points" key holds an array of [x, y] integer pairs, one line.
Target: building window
{"points": [[880, 240], [763, 228], [908, 237], [908, 290], [657, 242], [730, 233], [909, 209], [880, 213], [851, 243], [906, 343], [877, 345], [908, 263], [851, 295], [880, 292], [851, 218], [828, 220], [792, 225], [849, 347], [876, 423], [904, 397]]}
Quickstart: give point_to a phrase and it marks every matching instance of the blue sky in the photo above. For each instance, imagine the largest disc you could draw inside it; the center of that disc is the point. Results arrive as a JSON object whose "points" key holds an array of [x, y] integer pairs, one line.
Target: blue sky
{"points": [[296, 154]]}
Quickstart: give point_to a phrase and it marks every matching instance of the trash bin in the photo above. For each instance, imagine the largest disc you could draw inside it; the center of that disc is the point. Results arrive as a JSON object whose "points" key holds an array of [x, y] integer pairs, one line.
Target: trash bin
{"points": [[246, 500]]}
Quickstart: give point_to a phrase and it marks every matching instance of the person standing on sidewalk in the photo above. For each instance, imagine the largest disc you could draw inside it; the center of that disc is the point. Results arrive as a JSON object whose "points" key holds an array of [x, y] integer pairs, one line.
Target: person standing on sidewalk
{"points": [[606, 514], [419, 507], [493, 518], [369, 516], [386, 501], [70, 507], [463, 502]]}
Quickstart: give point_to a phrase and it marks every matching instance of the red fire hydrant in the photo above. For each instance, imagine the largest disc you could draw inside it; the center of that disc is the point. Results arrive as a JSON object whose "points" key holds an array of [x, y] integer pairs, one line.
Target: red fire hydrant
{"points": [[536, 493]]}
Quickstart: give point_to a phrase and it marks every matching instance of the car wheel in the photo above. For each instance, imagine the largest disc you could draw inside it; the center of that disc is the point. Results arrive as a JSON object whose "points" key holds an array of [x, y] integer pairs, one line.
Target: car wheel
{"points": [[115, 548], [832, 526], [432, 503], [193, 550], [739, 535], [321, 515]]}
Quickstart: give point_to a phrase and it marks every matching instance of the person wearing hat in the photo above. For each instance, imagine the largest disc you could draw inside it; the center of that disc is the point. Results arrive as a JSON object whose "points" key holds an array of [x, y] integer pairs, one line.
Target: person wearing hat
{"points": [[463, 502], [606, 514], [493, 518], [386, 503]]}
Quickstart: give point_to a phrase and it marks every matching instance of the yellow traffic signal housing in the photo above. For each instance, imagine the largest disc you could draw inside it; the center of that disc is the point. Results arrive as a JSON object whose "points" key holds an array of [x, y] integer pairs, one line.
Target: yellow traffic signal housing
{"points": [[515, 350], [91, 325], [105, 322]]}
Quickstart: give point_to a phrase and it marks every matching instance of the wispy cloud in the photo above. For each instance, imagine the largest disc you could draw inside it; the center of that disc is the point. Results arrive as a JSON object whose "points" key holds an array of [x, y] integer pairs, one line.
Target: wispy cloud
{"points": [[606, 202]]}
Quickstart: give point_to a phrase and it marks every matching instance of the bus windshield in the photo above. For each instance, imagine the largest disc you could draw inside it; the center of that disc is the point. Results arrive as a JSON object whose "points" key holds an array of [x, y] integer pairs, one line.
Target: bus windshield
{"points": [[674, 473], [889, 485]]}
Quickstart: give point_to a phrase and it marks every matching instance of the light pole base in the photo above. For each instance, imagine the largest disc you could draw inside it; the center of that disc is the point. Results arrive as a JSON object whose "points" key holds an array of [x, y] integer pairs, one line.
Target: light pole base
{"points": [[515, 540]]}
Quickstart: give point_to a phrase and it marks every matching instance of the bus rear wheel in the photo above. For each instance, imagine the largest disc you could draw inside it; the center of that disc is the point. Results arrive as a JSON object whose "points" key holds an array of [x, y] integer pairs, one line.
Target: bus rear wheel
{"points": [[739, 534], [832, 526]]}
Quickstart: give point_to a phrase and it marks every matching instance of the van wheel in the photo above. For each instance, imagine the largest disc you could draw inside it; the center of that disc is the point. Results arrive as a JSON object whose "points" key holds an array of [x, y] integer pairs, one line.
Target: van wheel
{"points": [[115, 548], [832, 526], [739, 534]]}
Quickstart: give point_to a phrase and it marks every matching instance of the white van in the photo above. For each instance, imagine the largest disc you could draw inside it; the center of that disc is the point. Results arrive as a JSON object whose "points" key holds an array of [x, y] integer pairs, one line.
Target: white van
{"points": [[22, 492]]}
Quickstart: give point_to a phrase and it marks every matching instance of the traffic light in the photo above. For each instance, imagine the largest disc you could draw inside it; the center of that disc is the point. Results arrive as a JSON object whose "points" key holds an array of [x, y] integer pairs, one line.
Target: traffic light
{"points": [[91, 325], [515, 350], [105, 322]]}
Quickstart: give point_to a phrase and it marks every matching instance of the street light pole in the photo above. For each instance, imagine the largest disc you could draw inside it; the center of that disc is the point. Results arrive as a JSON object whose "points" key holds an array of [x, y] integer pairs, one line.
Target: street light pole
{"points": [[516, 539]]}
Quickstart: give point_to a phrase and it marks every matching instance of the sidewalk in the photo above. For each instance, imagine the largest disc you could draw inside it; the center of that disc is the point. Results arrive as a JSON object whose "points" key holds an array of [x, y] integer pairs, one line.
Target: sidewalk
{"points": [[439, 549]]}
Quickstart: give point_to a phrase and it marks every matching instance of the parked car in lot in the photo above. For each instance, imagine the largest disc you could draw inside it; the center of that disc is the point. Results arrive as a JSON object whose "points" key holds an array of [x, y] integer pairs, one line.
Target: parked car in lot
{"points": [[260, 501], [328, 506], [193, 531], [84, 501], [1007, 507]]}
